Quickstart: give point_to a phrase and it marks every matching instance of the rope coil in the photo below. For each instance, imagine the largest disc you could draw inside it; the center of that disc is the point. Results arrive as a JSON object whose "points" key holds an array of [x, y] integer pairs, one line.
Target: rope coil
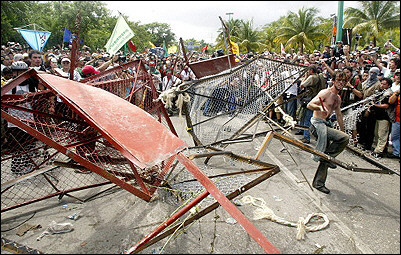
{"points": [[167, 97], [302, 225]]}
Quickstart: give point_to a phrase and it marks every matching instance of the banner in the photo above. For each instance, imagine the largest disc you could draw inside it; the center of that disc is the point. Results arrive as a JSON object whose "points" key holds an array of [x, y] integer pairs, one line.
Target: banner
{"points": [[172, 49], [235, 48], [67, 36], [282, 49], [205, 48], [152, 45], [165, 48], [121, 34], [36, 39]]}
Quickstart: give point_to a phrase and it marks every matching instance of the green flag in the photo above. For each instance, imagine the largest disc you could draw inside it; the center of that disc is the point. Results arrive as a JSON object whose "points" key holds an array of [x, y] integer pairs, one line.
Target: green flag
{"points": [[165, 48], [122, 33]]}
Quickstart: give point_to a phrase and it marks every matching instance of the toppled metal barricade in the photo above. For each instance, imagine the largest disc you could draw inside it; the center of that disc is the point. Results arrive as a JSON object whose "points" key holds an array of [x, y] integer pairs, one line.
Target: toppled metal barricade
{"points": [[48, 126], [107, 135]]}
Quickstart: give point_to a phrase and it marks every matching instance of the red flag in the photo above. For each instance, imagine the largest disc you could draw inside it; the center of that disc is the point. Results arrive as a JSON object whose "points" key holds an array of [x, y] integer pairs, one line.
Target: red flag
{"points": [[132, 46], [204, 48]]}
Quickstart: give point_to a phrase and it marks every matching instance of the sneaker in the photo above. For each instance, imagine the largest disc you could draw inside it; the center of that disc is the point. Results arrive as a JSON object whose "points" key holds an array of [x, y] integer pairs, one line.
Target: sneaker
{"points": [[304, 140], [377, 155]]}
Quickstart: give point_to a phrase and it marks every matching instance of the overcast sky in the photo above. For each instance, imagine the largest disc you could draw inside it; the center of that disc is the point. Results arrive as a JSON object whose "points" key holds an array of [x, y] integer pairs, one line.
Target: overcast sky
{"points": [[200, 19]]}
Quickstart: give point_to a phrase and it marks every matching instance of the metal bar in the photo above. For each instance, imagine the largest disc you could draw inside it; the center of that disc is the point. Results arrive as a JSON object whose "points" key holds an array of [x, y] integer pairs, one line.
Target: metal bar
{"points": [[374, 162], [53, 195], [77, 158], [210, 208], [313, 151], [228, 206], [168, 222]]}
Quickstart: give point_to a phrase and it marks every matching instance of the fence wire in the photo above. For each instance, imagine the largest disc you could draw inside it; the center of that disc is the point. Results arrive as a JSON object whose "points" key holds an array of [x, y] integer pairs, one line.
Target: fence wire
{"points": [[222, 104]]}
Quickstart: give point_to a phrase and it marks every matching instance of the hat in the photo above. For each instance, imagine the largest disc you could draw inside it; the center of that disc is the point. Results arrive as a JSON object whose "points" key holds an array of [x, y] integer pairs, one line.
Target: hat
{"points": [[374, 70], [88, 70], [25, 55], [339, 42], [18, 57], [152, 63], [65, 59], [53, 60], [397, 71]]}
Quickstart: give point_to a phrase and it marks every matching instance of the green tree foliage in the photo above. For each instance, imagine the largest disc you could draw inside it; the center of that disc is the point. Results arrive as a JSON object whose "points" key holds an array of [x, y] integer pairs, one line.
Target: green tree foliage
{"points": [[300, 29], [373, 18], [96, 24], [159, 32], [14, 14], [248, 39]]}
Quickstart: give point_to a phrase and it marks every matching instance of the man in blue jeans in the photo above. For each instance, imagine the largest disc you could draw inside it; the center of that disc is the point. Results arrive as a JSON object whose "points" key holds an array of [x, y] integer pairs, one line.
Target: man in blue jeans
{"points": [[311, 83], [329, 140]]}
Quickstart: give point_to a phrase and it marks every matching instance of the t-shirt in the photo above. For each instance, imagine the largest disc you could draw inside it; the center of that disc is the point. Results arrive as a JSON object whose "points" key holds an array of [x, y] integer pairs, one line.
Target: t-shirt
{"points": [[347, 95]]}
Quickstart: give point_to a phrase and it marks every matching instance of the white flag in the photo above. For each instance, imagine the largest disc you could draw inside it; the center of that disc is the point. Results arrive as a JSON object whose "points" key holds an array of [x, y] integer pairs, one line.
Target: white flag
{"points": [[282, 49], [122, 33]]}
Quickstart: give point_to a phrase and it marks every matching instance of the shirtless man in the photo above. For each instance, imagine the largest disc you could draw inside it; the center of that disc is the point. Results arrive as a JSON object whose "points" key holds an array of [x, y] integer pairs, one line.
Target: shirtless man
{"points": [[329, 140]]}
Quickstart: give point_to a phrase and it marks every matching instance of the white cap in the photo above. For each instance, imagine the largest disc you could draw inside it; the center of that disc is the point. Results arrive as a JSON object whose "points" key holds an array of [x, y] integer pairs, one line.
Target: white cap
{"points": [[66, 59], [18, 57]]}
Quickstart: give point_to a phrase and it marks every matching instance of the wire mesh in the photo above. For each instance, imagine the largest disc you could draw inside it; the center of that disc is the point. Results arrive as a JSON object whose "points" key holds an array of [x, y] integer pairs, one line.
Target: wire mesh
{"points": [[221, 105], [352, 114], [41, 128], [226, 171]]}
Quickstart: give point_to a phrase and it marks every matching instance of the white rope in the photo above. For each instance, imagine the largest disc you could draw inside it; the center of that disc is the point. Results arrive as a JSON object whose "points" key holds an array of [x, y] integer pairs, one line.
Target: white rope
{"points": [[302, 225], [167, 97]]}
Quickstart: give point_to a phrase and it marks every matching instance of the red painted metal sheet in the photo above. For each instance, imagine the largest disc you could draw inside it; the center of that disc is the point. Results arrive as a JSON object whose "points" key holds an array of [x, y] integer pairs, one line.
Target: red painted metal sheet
{"points": [[212, 66], [134, 132]]}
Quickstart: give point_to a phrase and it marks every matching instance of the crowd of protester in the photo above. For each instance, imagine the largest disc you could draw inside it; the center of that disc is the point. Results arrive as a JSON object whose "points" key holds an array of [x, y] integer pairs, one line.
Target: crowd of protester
{"points": [[368, 71]]}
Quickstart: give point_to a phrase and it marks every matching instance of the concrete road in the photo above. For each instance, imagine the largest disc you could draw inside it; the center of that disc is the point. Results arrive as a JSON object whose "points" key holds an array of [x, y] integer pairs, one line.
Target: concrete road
{"points": [[363, 210]]}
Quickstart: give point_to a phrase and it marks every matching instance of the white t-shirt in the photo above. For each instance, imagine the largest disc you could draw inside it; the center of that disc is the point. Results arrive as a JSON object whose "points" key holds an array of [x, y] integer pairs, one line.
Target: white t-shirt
{"points": [[168, 83]]}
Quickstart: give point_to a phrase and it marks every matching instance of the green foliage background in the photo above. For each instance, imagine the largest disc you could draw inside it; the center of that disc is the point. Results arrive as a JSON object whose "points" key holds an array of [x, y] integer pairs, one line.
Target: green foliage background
{"points": [[302, 31]]}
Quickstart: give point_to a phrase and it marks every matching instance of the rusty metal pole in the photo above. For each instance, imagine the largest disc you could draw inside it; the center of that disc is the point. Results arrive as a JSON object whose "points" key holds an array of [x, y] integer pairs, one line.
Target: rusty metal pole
{"points": [[168, 222], [228, 205]]}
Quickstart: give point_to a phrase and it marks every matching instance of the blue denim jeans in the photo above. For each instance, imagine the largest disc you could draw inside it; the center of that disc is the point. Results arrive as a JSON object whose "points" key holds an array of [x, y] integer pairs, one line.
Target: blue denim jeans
{"points": [[291, 107], [329, 141], [306, 122], [395, 138]]}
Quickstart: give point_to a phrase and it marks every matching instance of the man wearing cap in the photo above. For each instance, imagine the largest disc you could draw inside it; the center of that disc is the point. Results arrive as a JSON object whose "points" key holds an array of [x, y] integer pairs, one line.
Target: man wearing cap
{"points": [[88, 71], [64, 71]]}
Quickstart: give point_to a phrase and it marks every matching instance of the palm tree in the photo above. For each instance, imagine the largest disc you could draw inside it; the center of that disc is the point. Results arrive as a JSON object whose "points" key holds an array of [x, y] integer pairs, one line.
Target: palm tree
{"points": [[234, 25], [269, 34], [373, 17], [301, 29], [249, 38]]}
